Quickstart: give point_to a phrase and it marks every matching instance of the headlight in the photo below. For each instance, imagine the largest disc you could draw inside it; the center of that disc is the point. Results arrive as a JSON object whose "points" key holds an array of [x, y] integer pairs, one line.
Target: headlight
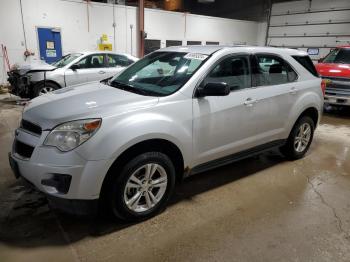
{"points": [[70, 135]]}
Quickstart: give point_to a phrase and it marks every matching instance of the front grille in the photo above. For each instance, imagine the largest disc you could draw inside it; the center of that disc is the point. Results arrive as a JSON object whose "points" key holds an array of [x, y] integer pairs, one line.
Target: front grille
{"points": [[23, 150], [339, 85], [342, 79], [337, 92], [33, 128]]}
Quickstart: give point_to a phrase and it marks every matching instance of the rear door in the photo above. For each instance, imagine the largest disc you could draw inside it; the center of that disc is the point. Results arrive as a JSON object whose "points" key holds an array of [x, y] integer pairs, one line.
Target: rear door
{"points": [[275, 90]]}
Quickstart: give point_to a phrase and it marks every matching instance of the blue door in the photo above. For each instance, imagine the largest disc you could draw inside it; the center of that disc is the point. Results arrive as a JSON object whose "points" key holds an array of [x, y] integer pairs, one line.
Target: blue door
{"points": [[50, 44]]}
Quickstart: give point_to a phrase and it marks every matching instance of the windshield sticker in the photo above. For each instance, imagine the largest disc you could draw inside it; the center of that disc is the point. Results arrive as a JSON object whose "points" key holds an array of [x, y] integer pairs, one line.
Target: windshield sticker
{"points": [[196, 56]]}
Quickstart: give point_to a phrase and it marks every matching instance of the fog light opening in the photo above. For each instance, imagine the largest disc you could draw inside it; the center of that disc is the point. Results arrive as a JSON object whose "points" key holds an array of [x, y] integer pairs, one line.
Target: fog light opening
{"points": [[59, 182]]}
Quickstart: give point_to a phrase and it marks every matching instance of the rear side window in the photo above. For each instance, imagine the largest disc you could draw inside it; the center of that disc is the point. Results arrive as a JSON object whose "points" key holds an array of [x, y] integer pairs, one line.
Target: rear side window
{"points": [[271, 70], [92, 61], [118, 60], [306, 62]]}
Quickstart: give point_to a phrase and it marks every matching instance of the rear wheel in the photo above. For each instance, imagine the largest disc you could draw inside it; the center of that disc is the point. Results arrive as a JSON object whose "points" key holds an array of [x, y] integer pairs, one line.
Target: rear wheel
{"points": [[41, 89], [143, 187], [299, 139]]}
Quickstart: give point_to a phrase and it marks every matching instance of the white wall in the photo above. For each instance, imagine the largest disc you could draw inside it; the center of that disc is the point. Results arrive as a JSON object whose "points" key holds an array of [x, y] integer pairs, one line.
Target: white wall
{"points": [[322, 24], [71, 17]]}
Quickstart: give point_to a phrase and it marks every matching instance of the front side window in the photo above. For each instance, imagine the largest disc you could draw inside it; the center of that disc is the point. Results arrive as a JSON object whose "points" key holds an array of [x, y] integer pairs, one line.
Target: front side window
{"points": [[118, 60], [92, 61], [234, 71], [160, 73], [65, 60], [338, 56], [271, 70]]}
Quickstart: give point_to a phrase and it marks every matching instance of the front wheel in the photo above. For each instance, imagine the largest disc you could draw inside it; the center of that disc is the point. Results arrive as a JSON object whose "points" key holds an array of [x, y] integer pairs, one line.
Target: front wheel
{"points": [[41, 89], [143, 187], [299, 139]]}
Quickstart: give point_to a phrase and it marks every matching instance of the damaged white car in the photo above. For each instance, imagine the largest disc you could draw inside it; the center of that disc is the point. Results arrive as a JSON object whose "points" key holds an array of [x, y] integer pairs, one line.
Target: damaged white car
{"points": [[36, 78]]}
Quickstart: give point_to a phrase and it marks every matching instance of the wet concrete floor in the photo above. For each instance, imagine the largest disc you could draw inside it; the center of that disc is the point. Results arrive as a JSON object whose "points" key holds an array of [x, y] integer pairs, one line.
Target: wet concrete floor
{"points": [[260, 209]]}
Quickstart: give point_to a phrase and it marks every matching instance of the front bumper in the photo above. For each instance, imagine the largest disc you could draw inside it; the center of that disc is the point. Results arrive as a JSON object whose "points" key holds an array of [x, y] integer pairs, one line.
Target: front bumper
{"points": [[57, 174], [337, 100], [20, 84], [71, 206]]}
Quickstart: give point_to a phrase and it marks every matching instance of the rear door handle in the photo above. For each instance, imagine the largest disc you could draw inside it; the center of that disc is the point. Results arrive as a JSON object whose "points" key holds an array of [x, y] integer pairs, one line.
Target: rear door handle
{"points": [[293, 91], [101, 72], [250, 102]]}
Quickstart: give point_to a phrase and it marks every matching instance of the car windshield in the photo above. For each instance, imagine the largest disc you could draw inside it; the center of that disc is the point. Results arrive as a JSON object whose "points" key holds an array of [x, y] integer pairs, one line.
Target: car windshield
{"points": [[160, 73], [338, 56], [65, 60]]}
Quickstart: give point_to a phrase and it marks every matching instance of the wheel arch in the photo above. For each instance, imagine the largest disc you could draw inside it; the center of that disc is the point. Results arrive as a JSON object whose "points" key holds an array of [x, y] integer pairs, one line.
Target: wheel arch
{"points": [[159, 145], [48, 81], [308, 103], [41, 83], [311, 112]]}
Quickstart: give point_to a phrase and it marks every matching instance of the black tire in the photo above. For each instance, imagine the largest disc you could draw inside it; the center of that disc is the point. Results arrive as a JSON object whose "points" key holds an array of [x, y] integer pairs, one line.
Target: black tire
{"points": [[115, 195], [37, 91], [289, 150]]}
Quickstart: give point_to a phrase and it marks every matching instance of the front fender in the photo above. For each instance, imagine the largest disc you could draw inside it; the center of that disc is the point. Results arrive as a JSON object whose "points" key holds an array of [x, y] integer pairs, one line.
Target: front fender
{"points": [[114, 137], [56, 76]]}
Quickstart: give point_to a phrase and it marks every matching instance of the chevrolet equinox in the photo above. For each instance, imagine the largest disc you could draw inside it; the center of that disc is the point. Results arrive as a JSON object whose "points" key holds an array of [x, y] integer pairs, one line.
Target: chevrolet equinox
{"points": [[124, 142]]}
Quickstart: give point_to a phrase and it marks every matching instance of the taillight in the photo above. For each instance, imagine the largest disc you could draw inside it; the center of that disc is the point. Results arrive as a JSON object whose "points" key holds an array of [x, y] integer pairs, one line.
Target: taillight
{"points": [[323, 86]]}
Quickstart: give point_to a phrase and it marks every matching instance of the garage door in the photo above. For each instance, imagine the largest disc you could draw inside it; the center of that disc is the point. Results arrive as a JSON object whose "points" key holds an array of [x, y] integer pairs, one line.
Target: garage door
{"points": [[316, 26], [151, 45]]}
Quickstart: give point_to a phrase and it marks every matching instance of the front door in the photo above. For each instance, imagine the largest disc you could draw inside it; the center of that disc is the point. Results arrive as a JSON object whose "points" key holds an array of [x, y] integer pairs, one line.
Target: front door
{"points": [[90, 68], [50, 46], [222, 125]]}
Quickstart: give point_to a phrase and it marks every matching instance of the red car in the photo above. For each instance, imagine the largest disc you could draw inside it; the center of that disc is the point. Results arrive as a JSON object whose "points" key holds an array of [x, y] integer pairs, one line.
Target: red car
{"points": [[335, 70]]}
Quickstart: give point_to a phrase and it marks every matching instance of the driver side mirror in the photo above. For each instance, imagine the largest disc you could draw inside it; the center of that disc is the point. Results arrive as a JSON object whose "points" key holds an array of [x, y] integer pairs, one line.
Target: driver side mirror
{"points": [[214, 89], [75, 67], [321, 60]]}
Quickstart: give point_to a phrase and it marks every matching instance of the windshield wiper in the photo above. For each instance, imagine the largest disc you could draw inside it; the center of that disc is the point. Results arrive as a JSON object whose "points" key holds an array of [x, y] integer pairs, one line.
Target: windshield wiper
{"points": [[106, 80], [131, 88]]}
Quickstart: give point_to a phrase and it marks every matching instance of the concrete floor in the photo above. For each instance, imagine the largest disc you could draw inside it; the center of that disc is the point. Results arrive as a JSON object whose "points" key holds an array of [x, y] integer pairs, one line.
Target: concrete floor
{"points": [[259, 209]]}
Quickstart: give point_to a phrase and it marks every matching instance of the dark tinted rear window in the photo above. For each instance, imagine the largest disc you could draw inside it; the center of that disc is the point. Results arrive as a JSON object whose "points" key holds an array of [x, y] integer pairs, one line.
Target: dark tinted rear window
{"points": [[306, 62]]}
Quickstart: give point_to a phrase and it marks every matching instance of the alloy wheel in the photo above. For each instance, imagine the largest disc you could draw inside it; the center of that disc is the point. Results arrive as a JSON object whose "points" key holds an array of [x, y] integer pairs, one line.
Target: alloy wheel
{"points": [[302, 139], [146, 187], [46, 90]]}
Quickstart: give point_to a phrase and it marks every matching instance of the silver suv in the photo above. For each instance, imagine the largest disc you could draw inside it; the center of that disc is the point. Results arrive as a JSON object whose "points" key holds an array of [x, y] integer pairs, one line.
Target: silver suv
{"points": [[124, 143]]}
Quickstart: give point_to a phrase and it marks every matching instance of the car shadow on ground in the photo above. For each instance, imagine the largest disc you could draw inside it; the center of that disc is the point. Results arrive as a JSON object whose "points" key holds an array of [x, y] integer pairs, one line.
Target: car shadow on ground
{"points": [[32, 223]]}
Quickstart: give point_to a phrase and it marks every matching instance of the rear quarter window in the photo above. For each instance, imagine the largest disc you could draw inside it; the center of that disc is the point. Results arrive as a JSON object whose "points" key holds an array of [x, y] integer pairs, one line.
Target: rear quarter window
{"points": [[307, 63], [270, 69]]}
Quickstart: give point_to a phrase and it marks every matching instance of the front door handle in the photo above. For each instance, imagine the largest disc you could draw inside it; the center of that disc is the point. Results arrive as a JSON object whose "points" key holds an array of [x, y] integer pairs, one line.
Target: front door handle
{"points": [[101, 72], [250, 102], [293, 91]]}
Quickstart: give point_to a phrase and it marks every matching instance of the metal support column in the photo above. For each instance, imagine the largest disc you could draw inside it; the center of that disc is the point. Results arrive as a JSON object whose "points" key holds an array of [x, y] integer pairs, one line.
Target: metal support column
{"points": [[141, 28]]}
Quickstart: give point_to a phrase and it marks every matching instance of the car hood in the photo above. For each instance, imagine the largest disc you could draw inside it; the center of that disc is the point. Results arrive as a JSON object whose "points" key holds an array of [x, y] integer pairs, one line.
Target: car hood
{"points": [[333, 70], [93, 100], [34, 66]]}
